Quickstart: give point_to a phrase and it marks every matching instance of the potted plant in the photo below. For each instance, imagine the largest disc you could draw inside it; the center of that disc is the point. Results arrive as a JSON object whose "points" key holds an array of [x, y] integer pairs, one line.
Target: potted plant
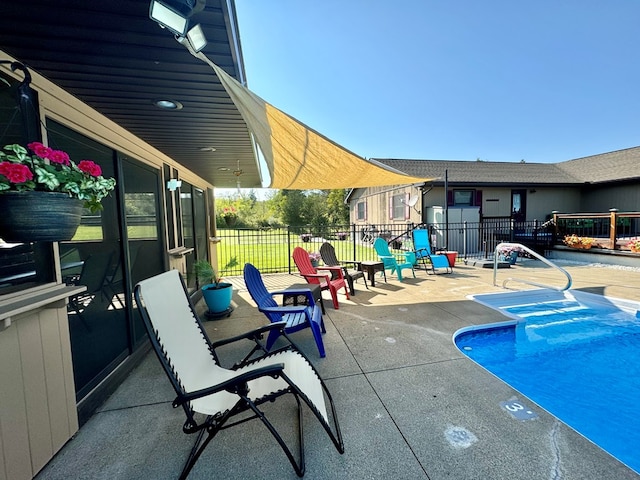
{"points": [[509, 254], [315, 258], [634, 245], [230, 215], [575, 241], [42, 193], [217, 294]]}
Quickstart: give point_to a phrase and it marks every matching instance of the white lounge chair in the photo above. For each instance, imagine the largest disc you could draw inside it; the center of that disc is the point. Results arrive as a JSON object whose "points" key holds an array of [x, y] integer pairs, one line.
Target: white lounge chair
{"points": [[203, 386]]}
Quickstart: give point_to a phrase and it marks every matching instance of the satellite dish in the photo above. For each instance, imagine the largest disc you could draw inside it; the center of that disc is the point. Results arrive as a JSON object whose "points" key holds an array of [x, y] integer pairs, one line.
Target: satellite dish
{"points": [[412, 201]]}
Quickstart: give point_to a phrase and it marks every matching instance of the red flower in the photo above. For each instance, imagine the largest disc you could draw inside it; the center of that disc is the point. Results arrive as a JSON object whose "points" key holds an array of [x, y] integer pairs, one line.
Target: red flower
{"points": [[15, 172], [58, 156], [90, 167], [40, 150]]}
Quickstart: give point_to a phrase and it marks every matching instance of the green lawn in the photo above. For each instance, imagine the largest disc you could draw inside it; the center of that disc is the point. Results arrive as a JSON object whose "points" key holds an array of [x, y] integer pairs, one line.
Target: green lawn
{"points": [[94, 232], [271, 251]]}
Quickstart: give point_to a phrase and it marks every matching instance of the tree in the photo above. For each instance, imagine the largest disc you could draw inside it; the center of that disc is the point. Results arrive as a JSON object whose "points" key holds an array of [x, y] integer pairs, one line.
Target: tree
{"points": [[338, 211], [314, 208], [289, 206]]}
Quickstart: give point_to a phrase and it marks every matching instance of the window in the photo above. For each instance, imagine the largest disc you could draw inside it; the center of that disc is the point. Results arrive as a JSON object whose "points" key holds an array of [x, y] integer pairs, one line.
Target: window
{"points": [[22, 265], [463, 198], [361, 211], [398, 208]]}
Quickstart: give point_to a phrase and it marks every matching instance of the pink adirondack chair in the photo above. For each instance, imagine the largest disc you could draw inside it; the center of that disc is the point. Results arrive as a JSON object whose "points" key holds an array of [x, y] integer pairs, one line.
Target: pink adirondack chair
{"points": [[311, 275]]}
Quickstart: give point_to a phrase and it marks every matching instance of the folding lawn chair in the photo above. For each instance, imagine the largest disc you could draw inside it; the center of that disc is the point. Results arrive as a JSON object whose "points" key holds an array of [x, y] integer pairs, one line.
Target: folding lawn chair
{"points": [[215, 398]]}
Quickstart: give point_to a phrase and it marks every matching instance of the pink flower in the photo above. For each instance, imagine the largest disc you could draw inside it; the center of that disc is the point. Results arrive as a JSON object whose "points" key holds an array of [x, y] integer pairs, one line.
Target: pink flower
{"points": [[90, 167], [15, 172], [40, 150], [58, 156]]}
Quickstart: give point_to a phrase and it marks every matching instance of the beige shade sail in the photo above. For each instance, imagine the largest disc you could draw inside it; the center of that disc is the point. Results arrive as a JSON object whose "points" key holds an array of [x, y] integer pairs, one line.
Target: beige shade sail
{"points": [[298, 157]]}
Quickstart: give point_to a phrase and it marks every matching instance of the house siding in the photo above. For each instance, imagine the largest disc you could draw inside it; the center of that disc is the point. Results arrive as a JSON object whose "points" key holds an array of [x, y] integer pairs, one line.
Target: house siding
{"points": [[626, 198], [549, 187]]}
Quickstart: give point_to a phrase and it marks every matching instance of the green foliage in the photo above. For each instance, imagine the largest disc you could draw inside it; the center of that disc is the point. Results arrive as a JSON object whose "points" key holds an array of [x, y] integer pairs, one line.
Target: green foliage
{"points": [[338, 211], [205, 273], [45, 169], [313, 209]]}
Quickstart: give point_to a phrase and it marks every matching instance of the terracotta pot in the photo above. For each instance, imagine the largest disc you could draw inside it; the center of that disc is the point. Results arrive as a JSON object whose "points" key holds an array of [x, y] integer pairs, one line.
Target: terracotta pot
{"points": [[36, 216]]}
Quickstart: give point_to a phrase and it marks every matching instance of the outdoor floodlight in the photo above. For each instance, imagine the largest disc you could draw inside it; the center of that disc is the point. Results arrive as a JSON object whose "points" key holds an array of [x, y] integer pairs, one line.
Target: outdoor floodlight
{"points": [[174, 14], [196, 38]]}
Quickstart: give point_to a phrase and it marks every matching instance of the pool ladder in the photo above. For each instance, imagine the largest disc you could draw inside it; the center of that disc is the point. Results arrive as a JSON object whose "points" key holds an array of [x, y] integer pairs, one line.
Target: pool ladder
{"points": [[528, 282]]}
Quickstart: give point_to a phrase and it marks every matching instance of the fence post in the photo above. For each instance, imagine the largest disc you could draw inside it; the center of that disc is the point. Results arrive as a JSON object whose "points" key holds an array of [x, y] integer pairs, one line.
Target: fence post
{"points": [[289, 247], [613, 221], [464, 240], [353, 240]]}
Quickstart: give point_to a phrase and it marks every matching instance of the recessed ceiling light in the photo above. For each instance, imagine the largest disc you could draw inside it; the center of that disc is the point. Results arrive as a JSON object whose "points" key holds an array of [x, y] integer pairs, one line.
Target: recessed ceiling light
{"points": [[168, 104], [224, 169], [207, 149]]}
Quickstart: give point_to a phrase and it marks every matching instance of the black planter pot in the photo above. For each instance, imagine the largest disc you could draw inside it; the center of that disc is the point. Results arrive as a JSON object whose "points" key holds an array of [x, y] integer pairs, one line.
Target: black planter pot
{"points": [[38, 216]]}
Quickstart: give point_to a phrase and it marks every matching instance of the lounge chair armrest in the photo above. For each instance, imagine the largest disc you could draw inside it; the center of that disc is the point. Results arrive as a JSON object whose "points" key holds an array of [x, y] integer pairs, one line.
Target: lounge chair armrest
{"points": [[316, 275], [336, 269], [351, 262], [250, 335], [234, 385], [285, 309]]}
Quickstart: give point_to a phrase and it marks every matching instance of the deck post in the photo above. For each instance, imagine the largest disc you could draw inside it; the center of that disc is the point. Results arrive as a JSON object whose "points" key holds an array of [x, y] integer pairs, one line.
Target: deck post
{"points": [[613, 221]]}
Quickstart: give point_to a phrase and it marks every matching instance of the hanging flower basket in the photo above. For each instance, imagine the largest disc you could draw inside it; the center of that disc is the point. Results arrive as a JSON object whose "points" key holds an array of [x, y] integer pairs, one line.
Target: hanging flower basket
{"points": [[42, 193], [36, 216]]}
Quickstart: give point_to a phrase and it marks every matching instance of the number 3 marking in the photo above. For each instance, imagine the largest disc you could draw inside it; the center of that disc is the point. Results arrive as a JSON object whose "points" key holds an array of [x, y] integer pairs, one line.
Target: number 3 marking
{"points": [[514, 407]]}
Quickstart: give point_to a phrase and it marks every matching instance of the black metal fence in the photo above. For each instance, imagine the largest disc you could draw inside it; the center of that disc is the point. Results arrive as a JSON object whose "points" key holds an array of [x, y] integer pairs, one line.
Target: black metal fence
{"points": [[270, 249]]}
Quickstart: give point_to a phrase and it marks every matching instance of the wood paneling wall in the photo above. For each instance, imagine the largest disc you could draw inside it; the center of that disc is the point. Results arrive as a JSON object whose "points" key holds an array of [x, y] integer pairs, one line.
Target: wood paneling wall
{"points": [[37, 396]]}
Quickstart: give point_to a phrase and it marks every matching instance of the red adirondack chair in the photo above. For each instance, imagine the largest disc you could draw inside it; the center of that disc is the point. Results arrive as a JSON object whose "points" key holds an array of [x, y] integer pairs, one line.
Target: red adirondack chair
{"points": [[311, 275]]}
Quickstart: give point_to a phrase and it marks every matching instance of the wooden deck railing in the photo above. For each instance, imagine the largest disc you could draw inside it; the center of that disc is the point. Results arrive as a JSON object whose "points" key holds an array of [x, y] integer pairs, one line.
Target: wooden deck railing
{"points": [[611, 230]]}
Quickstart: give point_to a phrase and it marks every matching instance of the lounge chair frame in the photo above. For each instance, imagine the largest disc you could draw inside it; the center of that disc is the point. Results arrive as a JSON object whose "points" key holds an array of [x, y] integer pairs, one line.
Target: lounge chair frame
{"points": [[274, 365], [423, 252]]}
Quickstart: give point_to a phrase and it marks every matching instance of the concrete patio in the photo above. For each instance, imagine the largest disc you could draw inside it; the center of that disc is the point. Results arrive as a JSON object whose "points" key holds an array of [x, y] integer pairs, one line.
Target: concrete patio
{"points": [[411, 406]]}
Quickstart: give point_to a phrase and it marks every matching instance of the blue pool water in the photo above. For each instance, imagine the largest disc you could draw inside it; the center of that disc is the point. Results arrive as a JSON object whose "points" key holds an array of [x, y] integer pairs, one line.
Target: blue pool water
{"points": [[575, 354]]}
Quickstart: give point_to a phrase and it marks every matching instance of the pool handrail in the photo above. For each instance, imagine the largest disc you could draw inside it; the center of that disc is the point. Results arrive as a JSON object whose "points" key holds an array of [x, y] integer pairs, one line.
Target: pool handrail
{"points": [[528, 282]]}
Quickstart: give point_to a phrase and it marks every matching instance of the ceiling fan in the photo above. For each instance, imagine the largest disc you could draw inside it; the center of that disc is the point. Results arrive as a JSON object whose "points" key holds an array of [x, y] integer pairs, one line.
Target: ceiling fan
{"points": [[237, 172]]}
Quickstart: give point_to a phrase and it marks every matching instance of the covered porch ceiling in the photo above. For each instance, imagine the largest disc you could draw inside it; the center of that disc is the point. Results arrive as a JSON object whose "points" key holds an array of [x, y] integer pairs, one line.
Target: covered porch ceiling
{"points": [[113, 57]]}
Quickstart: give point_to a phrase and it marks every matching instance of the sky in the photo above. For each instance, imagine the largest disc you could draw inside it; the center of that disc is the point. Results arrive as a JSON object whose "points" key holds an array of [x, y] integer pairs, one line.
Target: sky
{"points": [[495, 80]]}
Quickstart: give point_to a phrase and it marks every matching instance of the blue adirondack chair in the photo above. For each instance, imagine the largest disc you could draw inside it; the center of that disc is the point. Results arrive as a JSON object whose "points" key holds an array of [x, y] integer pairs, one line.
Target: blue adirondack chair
{"points": [[390, 261], [423, 252], [297, 317]]}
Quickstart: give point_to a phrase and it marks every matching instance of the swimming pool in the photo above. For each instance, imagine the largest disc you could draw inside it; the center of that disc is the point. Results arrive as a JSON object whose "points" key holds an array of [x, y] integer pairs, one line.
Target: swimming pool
{"points": [[575, 354]]}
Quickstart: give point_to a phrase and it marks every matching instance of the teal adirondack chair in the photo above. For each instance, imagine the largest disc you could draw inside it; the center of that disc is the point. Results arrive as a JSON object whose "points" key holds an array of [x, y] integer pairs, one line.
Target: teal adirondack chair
{"points": [[389, 260]]}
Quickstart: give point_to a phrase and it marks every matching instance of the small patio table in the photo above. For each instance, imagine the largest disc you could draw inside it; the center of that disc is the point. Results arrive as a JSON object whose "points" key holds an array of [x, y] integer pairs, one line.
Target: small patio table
{"points": [[297, 299], [371, 267]]}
